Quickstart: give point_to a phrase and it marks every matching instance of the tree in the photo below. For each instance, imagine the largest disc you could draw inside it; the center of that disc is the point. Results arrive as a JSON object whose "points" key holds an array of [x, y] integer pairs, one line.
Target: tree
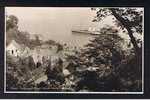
{"points": [[21, 37], [114, 69], [31, 63], [12, 82], [12, 22], [99, 58], [130, 20]]}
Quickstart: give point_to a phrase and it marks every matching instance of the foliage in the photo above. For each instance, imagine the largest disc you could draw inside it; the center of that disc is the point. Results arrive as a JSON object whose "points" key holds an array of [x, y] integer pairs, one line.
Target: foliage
{"points": [[12, 22], [103, 55], [21, 37], [132, 16], [128, 19], [18, 73], [104, 65]]}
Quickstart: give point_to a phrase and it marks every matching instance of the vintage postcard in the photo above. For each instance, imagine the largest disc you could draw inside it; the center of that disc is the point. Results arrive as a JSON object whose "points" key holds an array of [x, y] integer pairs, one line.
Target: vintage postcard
{"points": [[74, 50]]}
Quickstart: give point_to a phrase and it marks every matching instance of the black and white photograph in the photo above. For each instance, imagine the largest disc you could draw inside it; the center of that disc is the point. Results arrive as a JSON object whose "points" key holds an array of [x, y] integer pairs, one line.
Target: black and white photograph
{"points": [[74, 50]]}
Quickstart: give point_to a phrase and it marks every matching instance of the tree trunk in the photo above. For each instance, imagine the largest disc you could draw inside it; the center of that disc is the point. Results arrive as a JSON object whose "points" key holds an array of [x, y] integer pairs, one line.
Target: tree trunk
{"points": [[137, 49], [130, 33]]}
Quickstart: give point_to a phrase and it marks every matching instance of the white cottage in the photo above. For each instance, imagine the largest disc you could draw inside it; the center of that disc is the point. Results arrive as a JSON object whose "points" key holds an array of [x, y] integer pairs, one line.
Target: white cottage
{"points": [[15, 49]]}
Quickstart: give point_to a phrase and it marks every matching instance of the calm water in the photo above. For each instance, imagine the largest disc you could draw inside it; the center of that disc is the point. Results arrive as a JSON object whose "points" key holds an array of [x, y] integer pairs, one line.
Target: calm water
{"points": [[56, 23]]}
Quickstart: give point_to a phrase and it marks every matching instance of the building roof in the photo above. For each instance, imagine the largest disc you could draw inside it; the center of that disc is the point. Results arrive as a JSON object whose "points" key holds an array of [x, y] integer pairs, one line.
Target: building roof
{"points": [[14, 43], [17, 45]]}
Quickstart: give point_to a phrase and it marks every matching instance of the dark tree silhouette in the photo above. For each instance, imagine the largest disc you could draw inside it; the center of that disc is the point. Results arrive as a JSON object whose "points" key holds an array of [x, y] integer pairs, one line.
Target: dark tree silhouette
{"points": [[130, 20], [12, 22], [126, 18]]}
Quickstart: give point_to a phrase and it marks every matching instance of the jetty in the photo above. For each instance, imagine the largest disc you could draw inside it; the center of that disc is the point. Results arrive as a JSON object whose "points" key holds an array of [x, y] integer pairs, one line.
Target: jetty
{"points": [[86, 32]]}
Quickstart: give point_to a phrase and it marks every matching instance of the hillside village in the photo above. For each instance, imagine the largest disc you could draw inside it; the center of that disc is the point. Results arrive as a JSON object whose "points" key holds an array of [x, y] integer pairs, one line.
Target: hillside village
{"points": [[34, 61]]}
